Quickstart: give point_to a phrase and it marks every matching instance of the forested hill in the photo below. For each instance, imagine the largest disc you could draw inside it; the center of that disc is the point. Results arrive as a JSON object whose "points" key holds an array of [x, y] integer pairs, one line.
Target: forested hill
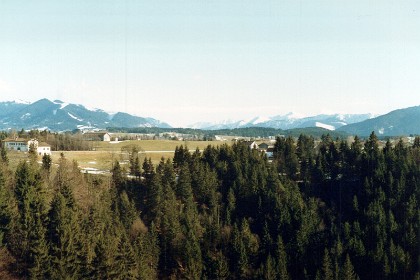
{"points": [[335, 211]]}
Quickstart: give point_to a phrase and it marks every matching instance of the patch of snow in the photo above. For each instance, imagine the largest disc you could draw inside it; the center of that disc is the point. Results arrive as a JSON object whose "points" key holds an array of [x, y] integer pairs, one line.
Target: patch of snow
{"points": [[323, 125], [381, 131], [242, 122], [91, 170], [85, 127], [74, 117], [64, 105], [54, 112], [92, 162], [25, 116], [61, 103]]}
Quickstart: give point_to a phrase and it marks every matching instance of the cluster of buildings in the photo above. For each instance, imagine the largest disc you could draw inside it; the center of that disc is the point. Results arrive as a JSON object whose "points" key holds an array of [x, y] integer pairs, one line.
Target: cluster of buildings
{"points": [[24, 145], [97, 136], [262, 147]]}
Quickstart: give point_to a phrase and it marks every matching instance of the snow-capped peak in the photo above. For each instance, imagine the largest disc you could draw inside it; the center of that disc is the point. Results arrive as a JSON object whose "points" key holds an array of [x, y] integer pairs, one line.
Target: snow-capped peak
{"points": [[260, 119]]}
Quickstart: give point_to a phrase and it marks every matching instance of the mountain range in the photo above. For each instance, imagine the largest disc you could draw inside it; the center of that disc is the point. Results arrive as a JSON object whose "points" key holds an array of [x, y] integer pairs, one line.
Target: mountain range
{"points": [[288, 121], [395, 123], [60, 116]]}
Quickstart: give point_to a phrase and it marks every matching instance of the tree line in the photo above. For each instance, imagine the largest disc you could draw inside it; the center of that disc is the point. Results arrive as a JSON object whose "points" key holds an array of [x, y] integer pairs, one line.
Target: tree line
{"points": [[253, 132], [67, 141], [335, 210]]}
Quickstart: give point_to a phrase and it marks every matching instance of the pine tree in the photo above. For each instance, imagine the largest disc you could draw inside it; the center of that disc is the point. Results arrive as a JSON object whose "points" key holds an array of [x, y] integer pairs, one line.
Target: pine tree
{"points": [[327, 271], [32, 153], [183, 188], [117, 176], [38, 257], [221, 266], [134, 161], [155, 198], [347, 272], [170, 229], [192, 256], [147, 252], [46, 162], [148, 169], [65, 238], [30, 246], [4, 157], [5, 207], [282, 273], [182, 157], [125, 260], [127, 210], [24, 180], [231, 206], [269, 271]]}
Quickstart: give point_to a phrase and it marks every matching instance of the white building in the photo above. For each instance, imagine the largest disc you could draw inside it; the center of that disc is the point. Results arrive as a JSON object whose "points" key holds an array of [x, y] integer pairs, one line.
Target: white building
{"points": [[44, 149], [251, 144], [18, 144], [97, 136]]}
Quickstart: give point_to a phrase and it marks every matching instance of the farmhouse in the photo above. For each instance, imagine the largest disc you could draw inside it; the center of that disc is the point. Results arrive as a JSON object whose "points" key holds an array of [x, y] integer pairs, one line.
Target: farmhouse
{"points": [[44, 149], [18, 144], [250, 144], [97, 136], [24, 145]]}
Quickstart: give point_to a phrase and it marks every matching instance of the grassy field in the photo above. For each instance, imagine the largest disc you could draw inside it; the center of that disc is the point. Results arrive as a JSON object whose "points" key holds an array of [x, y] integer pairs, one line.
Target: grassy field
{"points": [[105, 153], [154, 145]]}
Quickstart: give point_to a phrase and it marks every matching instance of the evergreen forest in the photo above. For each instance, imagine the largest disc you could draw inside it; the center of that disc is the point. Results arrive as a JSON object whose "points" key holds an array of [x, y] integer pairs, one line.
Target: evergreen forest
{"points": [[327, 209]]}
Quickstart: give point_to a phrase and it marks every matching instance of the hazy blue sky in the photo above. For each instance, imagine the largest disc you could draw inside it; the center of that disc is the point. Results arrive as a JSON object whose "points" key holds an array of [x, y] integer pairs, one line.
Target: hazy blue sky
{"points": [[189, 61]]}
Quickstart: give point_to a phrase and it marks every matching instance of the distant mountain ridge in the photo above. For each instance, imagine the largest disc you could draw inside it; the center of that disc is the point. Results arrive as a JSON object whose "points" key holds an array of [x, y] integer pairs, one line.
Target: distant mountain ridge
{"points": [[288, 121], [60, 116], [395, 123], [400, 122]]}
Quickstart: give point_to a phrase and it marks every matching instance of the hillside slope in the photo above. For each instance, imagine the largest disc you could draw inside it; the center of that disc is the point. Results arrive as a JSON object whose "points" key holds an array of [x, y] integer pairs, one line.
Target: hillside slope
{"points": [[395, 123]]}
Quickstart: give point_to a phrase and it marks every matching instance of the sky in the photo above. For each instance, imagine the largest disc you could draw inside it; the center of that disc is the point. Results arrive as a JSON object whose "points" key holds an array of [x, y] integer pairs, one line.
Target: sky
{"points": [[184, 62]]}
